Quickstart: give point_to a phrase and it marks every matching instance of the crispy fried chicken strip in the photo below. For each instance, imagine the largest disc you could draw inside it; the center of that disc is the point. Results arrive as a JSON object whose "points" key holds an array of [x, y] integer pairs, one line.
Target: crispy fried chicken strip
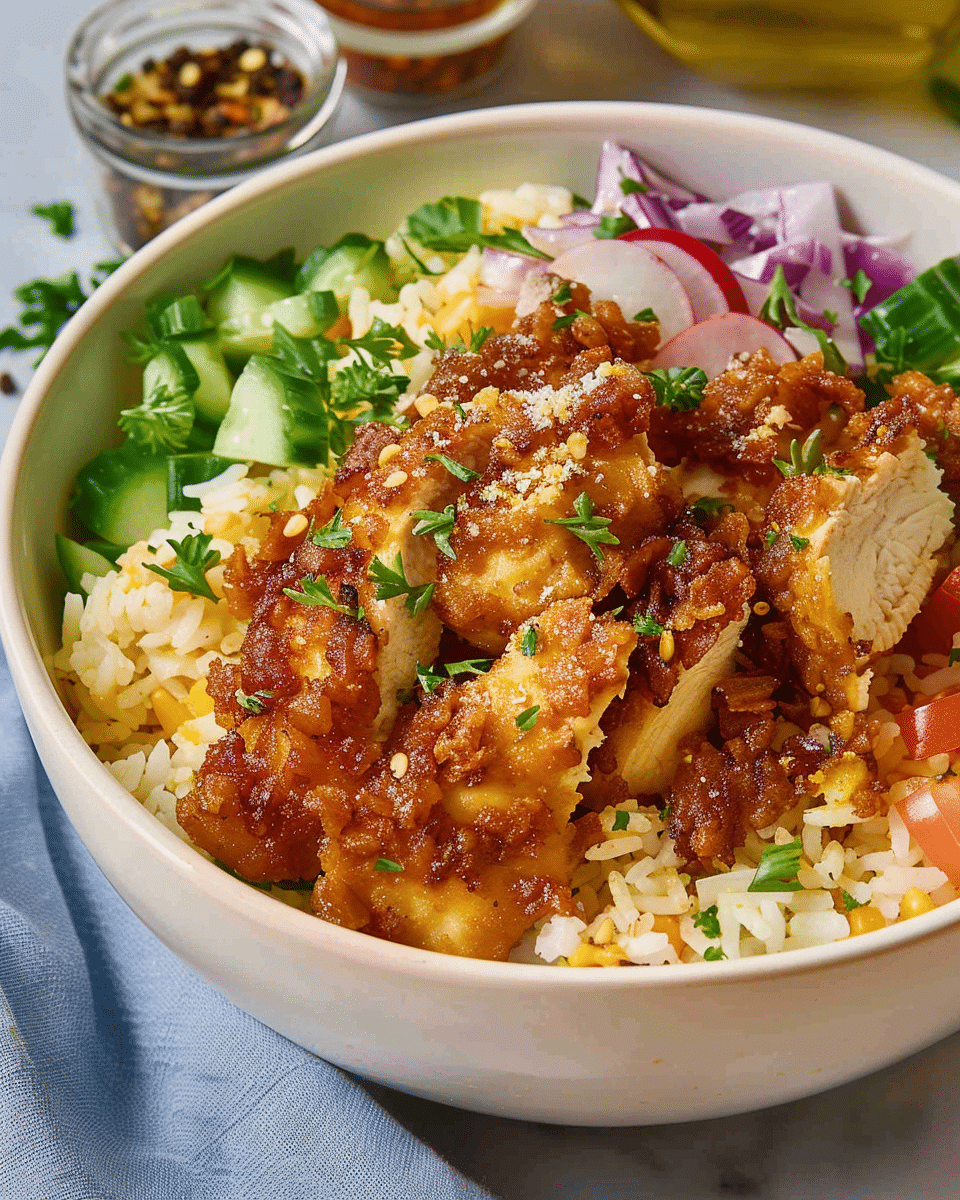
{"points": [[460, 837], [852, 556]]}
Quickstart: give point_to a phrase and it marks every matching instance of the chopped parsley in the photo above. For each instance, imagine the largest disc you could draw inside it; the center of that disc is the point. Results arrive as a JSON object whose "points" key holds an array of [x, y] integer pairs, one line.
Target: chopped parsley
{"points": [[708, 922], [255, 702], [391, 581], [647, 626], [469, 666], [678, 554], [664, 813], [780, 310], [429, 679], [954, 656], [710, 506], [680, 389], [713, 954], [194, 559], [333, 535], [849, 903], [439, 525], [799, 543], [587, 527], [621, 820], [477, 337], [528, 643], [860, 284], [60, 214], [47, 306], [453, 467], [387, 864], [162, 423], [807, 459], [364, 384], [614, 226], [316, 593], [628, 186], [528, 718], [777, 870], [644, 316], [383, 342], [831, 316], [563, 294], [770, 537], [455, 223], [565, 321]]}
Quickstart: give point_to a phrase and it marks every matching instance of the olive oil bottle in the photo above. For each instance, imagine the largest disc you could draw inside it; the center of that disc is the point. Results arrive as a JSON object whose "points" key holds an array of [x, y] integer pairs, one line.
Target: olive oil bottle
{"points": [[800, 43]]}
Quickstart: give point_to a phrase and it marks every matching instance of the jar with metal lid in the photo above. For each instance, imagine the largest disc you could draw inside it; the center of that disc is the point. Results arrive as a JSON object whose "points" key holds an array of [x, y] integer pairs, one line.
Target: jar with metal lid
{"points": [[160, 157]]}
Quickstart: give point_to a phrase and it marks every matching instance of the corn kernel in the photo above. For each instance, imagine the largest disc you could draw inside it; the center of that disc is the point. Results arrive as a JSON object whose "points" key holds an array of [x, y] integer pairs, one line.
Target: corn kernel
{"points": [[396, 479], [425, 404], [865, 920], [671, 927], [388, 454], [586, 955], [914, 903], [199, 700], [577, 445], [604, 934], [170, 713], [295, 526]]}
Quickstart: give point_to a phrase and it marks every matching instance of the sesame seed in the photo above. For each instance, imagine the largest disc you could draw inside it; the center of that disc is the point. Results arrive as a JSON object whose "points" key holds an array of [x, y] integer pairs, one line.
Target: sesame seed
{"points": [[397, 479], [252, 60], [667, 645], [296, 525], [399, 764], [425, 404], [388, 453]]}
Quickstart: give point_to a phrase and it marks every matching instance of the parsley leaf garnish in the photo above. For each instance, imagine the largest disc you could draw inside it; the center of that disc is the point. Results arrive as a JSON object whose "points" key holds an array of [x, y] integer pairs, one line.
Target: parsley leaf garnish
{"points": [[455, 223], [567, 319], [470, 666], [528, 643], [316, 592], [387, 864], [647, 626], [644, 316], [588, 528], [383, 342], [47, 305], [680, 389], [60, 214], [391, 581], [254, 703], [849, 903], [439, 525], [799, 543], [528, 718], [770, 537], [710, 506], [954, 656], [453, 467], [621, 820], [777, 870], [361, 384], [477, 337], [562, 295], [162, 423], [859, 284], [678, 554], [194, 559], [807, 459], [708, 921], [429, 679], [713, 954], [780, 310], [614, 226], [333, 535], [628, 185]]}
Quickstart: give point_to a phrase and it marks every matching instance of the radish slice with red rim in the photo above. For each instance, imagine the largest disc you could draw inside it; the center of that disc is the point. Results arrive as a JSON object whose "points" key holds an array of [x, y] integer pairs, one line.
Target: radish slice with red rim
{"points": [[631, 275], [712, 343], [709, 282]]}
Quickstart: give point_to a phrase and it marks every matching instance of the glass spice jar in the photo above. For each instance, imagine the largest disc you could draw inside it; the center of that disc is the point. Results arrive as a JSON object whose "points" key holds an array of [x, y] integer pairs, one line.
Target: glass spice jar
{"points": [[421, 48], [160, 161]]}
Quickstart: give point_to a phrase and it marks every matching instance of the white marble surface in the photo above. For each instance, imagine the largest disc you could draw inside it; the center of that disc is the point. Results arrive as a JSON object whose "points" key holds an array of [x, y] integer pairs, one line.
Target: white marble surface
{"points": [[892, 1136]]}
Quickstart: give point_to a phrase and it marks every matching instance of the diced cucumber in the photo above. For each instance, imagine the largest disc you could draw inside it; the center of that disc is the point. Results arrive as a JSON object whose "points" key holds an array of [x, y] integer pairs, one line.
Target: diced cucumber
{"points": [[274, 418], [215, 383], [308, 314], [121, 495], [245, 334], [354, 261], [180, 317], [106, 549], [245, 285], [170, 370], [185, 470], [77, 561]]}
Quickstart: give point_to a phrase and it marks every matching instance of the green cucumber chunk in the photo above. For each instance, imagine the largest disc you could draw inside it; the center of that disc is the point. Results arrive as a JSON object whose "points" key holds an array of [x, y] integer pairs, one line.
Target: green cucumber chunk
{"points": [[354, 261], [121, 495], [244, 285], [77, 561], [186, 470], [170, 370], [214, 381], [274, 418], [106, 549]]}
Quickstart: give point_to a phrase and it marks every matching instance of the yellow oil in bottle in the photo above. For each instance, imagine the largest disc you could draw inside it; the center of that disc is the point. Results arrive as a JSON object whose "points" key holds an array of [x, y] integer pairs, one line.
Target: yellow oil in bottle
{"points": [[784, 43]]}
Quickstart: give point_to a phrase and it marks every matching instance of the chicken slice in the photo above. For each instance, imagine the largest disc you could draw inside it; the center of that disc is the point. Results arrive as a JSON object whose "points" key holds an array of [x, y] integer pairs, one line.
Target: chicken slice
{"points": [[691, 613], [460, 837], [853, 555]]}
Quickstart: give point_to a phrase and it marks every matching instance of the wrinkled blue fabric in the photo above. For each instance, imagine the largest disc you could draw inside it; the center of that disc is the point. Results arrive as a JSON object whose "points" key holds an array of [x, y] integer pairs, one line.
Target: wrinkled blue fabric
{"points": [[125, 1077]]}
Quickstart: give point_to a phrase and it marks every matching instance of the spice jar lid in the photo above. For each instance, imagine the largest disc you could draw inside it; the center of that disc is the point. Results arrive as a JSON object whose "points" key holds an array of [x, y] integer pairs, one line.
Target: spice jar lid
{"points": [[430, 43]]}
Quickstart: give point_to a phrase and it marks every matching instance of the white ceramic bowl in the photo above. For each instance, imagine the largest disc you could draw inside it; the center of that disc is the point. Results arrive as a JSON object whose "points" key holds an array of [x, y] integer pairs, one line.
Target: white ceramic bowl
{"points": [[646, 1045]]}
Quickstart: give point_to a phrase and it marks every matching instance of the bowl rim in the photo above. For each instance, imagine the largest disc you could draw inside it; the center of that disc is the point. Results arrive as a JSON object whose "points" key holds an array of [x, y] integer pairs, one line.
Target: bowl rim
{"points": [[270, 917]]}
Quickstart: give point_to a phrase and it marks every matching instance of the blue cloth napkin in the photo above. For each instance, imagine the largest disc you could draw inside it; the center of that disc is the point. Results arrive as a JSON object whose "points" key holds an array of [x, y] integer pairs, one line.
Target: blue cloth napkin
{"points": [[125, 1077]]}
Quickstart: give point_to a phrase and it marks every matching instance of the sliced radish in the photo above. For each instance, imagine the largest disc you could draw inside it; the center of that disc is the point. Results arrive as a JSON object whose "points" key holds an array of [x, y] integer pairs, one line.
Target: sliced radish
{"points": [[712, 343], [631, 275], [702, 285]]}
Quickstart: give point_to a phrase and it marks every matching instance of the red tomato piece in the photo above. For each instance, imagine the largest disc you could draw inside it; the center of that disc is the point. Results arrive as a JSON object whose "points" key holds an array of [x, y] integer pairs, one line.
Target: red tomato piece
{"points": [[932, 814], [939, 619], [707, 258], [932, 728]]}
